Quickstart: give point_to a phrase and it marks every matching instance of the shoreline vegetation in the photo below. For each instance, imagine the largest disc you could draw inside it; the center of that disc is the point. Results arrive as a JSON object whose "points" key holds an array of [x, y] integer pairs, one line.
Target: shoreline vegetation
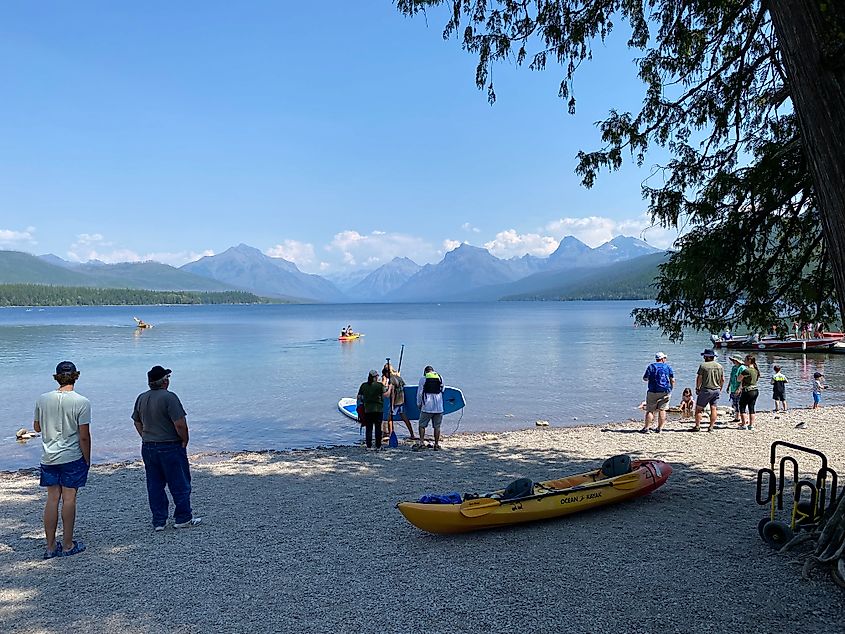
{"points": [[285, 531], [47, 295], [43, 295]]}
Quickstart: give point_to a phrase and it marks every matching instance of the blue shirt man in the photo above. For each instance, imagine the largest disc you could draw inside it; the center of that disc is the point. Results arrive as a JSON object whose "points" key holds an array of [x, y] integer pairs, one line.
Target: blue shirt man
{"points": [[660, 379], [659, 375]]}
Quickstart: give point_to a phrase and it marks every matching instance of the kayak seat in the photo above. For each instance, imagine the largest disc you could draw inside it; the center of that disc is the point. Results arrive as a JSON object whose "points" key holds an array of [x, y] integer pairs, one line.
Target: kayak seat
{"points": [[616, 466], [520, 488]]}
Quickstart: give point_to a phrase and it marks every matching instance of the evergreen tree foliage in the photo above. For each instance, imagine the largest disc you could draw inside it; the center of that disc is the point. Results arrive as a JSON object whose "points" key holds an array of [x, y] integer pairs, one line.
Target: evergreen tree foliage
{"points": [[45, 295], [747, 117]]}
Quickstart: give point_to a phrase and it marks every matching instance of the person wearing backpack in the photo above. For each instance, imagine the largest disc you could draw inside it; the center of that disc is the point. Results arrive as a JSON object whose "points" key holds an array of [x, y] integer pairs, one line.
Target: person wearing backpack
{"points": [[430, 404], [396, 391]]}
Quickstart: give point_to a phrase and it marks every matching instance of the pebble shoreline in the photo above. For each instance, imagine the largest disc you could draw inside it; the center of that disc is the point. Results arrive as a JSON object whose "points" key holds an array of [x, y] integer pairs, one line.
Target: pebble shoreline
{"points": [[309, 541]]}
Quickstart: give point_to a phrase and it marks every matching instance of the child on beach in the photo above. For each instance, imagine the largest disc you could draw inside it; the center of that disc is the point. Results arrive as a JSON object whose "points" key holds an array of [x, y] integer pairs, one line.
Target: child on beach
{"points": [[687, 403], [779, 382], [818, 386]]}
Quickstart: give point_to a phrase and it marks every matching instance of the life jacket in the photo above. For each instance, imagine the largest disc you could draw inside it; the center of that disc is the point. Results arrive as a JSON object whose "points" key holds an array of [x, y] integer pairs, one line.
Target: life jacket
{"points": [[433, 383]]}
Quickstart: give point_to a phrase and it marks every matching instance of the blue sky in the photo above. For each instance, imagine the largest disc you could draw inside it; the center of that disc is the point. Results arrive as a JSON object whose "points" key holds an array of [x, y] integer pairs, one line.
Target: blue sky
{"points": [[337, 135]]}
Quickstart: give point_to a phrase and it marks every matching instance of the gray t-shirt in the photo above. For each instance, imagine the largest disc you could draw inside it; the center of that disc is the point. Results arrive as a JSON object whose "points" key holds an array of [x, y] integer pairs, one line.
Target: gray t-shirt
{"points": [[60, 414], [158, 410]]}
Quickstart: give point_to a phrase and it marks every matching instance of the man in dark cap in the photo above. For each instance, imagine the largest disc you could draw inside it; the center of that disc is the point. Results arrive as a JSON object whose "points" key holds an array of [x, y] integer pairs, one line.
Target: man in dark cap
{"points": [[160, 420], [709, 381], [62, 417]]}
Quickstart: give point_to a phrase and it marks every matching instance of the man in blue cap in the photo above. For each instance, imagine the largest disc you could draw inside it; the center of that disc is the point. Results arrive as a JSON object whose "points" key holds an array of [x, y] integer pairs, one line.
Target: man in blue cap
{"points": [[709, 381], [63, 417], [160, 421]]}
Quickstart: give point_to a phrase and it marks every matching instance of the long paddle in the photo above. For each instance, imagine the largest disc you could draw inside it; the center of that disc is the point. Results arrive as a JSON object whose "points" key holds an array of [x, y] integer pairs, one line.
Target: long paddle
{"points": [[390, 405], [483, 506], [479, 507]]}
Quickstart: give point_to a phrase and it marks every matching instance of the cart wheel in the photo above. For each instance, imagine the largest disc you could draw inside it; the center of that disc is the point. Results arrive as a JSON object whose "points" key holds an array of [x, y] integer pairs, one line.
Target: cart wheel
{"points": [[777, 533], [807, 509], [838, 573], [760, 526]]}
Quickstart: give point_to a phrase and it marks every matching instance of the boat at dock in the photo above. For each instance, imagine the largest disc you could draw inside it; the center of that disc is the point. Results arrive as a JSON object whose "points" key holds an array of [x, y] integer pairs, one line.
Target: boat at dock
{"points": [[825, 343]]}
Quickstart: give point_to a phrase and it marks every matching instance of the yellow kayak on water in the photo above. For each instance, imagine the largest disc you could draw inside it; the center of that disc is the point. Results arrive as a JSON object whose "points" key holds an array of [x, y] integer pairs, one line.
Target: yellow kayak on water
{"points": [[352, 337], [543, 500]]}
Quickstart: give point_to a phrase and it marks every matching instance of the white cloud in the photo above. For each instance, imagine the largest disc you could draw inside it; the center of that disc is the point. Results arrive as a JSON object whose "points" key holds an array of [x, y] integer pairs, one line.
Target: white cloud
{"points": [[178, 258], [509, 243], [468, 227], [88, 239], [378, 247], [591, 230], [94, 246], [10, 236], [596, 230], [300, 253], [450, 245], [655, 235]]}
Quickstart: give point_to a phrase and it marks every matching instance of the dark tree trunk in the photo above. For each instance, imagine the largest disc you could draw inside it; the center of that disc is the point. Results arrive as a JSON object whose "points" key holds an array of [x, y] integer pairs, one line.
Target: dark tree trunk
{"points": [[812, 44]]}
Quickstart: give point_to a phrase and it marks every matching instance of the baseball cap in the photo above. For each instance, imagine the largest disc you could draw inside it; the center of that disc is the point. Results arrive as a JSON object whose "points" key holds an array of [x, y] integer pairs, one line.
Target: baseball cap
{"points": [[659, 355], [157, 373], [817, 375], [375, 373], [65, 367]]}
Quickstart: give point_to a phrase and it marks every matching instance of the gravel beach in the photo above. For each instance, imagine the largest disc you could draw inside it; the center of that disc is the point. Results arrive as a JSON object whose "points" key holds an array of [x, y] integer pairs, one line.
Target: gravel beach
{"points": [[310, 541]]}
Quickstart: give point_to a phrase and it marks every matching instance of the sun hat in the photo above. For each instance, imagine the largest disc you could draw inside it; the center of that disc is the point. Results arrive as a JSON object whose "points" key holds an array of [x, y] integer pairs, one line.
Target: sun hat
{"points": [[65, 367], [157, 373], [737, 359], [659, 355], [708, 352]]}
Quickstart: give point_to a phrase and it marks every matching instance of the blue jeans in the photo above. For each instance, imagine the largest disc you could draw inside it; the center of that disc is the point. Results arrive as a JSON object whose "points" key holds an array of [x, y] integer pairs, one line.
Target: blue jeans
{"points": [[167, 464]]}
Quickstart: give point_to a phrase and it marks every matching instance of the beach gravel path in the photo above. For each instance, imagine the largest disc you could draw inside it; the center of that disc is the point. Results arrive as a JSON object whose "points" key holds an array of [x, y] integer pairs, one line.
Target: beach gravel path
{"points": [[310, 541]]}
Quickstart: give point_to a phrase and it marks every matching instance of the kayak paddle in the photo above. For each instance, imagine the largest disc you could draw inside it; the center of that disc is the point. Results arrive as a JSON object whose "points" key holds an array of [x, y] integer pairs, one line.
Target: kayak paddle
{"points": [[479, 507]]}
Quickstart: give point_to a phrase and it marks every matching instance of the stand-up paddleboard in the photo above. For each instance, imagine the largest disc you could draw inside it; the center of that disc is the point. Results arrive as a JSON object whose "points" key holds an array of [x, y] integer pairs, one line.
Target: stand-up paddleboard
{"points": [[453, 401], [348, 407]]}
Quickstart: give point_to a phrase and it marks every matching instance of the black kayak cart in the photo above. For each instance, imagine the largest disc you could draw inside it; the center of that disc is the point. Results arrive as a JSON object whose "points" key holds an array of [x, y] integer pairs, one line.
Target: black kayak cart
{"points": [[810, 499]]}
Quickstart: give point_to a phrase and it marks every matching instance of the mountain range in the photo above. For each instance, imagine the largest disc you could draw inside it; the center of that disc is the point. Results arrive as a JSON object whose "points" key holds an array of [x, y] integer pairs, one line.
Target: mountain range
{"points": [[466, 273]]}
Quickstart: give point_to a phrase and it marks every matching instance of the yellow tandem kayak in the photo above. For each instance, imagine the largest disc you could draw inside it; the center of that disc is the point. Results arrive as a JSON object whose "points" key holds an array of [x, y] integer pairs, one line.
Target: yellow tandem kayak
{"points": [[546, 500]]}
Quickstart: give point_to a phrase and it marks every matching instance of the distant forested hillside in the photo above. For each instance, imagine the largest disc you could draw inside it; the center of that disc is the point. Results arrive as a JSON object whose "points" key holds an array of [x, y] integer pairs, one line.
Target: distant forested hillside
{"points": [[44, 295]]}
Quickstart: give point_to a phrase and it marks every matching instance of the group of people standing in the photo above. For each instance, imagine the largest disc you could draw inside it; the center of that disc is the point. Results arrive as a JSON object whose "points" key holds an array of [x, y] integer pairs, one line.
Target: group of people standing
{"points": [[742, 388], [390, 385], [63, 418]]}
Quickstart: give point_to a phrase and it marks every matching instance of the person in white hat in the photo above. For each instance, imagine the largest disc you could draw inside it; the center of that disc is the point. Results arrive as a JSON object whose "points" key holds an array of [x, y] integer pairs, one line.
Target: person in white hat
{"points": [[661, 380]]}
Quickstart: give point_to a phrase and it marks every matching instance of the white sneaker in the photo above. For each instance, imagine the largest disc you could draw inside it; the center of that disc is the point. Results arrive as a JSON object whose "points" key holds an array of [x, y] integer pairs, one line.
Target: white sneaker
{"points": [[194, 521], [159, 529]]}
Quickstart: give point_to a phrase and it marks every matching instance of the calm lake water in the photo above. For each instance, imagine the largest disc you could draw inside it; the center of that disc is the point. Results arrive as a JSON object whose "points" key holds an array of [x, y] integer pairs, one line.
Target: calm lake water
{"points": [[269, 377]]}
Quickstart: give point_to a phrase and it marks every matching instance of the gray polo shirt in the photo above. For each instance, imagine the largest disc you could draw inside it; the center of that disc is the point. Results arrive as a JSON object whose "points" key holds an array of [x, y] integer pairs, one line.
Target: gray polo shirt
{"points": [[157, 410]]}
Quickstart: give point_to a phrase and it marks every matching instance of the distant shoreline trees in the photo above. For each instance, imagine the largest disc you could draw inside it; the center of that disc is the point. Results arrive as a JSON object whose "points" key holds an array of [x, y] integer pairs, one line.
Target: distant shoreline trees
{"points": [[49, 295]]}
